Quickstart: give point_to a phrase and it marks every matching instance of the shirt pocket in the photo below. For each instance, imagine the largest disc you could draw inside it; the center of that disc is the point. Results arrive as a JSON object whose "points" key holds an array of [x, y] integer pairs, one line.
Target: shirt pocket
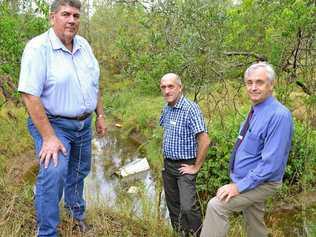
{"points": [[181, 129], [92, 74], [252, 144]]}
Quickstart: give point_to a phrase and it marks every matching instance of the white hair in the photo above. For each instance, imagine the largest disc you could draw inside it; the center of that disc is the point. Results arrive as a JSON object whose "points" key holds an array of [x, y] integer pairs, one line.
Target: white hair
{"points": [[266, 66]]}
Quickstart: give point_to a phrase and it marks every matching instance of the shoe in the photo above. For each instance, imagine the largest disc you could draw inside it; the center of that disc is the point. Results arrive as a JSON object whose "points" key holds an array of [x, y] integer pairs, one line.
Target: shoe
{"points": [[184, 234], [189, 234], [81, 226]]}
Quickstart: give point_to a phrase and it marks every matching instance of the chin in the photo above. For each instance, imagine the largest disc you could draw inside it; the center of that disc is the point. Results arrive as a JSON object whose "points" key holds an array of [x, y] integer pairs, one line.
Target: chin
{"points": [[256, 98], [70, 34], [170, 101]]}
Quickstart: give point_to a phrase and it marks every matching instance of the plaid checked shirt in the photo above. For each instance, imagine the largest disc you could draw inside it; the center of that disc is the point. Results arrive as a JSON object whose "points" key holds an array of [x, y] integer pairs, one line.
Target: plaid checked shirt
{"points": [[181, 124]]}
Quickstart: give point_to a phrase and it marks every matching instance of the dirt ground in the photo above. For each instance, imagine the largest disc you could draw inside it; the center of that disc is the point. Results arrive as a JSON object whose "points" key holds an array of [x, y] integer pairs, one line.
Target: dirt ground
{"points": [[21, 169]]}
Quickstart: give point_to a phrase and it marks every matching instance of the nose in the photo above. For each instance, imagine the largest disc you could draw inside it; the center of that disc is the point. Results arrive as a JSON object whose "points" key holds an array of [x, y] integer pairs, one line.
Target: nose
{"points": [[253, 86], [168, 90], [71, 19]]}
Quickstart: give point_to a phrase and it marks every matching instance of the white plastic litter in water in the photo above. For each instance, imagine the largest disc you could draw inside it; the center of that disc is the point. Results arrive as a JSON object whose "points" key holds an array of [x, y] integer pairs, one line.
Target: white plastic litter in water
{"points": [[132, 190], [136, 166], [99, 144]]}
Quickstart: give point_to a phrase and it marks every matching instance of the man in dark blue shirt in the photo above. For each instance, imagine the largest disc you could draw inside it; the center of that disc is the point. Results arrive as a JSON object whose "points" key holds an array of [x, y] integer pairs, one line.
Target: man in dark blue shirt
{"points": [[185, 144], [258, 161]]}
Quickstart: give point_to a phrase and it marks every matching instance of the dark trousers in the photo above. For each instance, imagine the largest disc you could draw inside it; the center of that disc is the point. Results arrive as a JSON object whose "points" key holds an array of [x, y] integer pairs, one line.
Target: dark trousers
{"points": [[181, 199]]}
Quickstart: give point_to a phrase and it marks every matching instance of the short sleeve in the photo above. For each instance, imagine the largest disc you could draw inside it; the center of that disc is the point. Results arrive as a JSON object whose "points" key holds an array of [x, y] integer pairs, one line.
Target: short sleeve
{"points": [[196, 120], [33, 71]]}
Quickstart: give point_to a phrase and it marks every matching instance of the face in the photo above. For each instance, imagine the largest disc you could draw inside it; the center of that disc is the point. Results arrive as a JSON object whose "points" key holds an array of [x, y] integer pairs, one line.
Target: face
{"points": [[170, 90], [65, 23], [258, 86]]}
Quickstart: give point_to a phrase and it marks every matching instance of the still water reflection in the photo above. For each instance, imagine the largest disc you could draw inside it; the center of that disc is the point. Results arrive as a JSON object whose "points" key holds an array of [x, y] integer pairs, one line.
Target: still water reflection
{"points": [[104, 187]]}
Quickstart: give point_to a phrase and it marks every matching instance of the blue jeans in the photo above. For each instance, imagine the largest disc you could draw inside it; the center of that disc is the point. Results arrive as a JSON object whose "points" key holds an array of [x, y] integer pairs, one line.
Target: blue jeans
{"points": [[67, 177]]}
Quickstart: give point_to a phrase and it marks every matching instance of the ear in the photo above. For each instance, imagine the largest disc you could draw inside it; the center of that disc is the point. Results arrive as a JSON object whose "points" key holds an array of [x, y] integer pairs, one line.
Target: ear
{"points": [[51, 18], [272, 84], [181, 88]]}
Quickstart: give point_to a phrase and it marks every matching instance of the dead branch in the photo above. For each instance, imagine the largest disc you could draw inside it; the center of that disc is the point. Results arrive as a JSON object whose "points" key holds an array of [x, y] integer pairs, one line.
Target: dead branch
{"points": [[258, 57], [294, 54], [304, 87], [7, 86]]}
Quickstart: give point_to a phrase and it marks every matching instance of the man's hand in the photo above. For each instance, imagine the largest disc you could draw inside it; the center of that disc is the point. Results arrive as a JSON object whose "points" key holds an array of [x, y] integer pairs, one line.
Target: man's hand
{"points": [[188, 169], [100, 126], [50, 149], [51, 144], [228, 191]]}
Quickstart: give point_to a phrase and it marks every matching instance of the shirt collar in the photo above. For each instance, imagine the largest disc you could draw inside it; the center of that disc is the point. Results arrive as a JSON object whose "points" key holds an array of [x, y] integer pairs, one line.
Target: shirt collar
{"points": [[264, 103], [57, 44], [179, 103]]}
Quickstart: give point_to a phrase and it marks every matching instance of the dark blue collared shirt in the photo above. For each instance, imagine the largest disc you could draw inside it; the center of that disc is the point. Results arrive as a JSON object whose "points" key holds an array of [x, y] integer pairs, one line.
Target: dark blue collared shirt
{"points": [[263, 153], [181, 124]]}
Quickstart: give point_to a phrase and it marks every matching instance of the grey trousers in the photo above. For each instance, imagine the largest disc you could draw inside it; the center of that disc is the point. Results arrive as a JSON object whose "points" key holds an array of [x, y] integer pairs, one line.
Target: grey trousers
{"points": [[181, 199], [251, 203]]}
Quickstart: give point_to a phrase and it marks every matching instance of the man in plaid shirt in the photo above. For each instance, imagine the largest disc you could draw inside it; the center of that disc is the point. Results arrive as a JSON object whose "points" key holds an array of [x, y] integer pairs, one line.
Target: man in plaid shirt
{"points": [[185, 144]]}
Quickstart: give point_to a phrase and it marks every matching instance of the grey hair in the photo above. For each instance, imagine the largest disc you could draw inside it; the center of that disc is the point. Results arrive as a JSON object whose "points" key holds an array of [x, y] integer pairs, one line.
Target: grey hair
{"points": [[172, 75], [266, 66], [57, 3]]}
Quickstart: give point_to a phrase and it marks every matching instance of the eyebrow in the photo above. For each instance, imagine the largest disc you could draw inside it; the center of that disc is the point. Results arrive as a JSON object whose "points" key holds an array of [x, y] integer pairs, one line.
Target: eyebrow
{"points": [[67, 12]]}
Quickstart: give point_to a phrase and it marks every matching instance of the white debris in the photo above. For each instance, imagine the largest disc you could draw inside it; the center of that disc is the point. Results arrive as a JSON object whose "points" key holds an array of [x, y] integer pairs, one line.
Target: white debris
{"points": [[134, 167], [99, 144], [132, 190]]}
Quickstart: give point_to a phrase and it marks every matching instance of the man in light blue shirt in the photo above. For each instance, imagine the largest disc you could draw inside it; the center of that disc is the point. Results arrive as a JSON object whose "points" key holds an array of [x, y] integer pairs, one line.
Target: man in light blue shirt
{"points": [[258, 160], [59, 83]]}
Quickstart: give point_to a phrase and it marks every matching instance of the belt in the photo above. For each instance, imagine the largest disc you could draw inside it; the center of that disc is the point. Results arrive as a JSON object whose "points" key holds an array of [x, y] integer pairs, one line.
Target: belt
{"points": [[78, 118], [179, 160]]}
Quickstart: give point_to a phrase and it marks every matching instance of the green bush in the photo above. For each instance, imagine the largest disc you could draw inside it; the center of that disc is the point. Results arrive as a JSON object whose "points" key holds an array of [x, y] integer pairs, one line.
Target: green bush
{"points": [[300, 171], [16, 28], [301, 167], [214, 173]]}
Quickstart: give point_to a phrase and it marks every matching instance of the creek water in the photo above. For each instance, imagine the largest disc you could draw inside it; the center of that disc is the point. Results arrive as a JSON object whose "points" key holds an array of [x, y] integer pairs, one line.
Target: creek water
{"points": [[138, 192]]}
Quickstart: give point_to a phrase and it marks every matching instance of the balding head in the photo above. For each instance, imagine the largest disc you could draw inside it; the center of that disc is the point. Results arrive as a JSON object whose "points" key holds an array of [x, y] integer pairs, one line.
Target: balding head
{"points": [[172, 76], [171, 88]]}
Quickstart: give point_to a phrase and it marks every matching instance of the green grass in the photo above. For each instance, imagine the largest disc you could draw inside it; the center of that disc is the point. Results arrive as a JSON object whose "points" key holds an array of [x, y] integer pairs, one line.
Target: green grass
{"points": [[140, 114], [14, 137], [17, 173]]}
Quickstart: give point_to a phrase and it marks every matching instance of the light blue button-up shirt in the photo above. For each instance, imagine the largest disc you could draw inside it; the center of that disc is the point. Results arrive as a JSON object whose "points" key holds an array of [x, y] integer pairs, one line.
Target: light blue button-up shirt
{"points": [[263, 154], [181, 123], [66, 82]]}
